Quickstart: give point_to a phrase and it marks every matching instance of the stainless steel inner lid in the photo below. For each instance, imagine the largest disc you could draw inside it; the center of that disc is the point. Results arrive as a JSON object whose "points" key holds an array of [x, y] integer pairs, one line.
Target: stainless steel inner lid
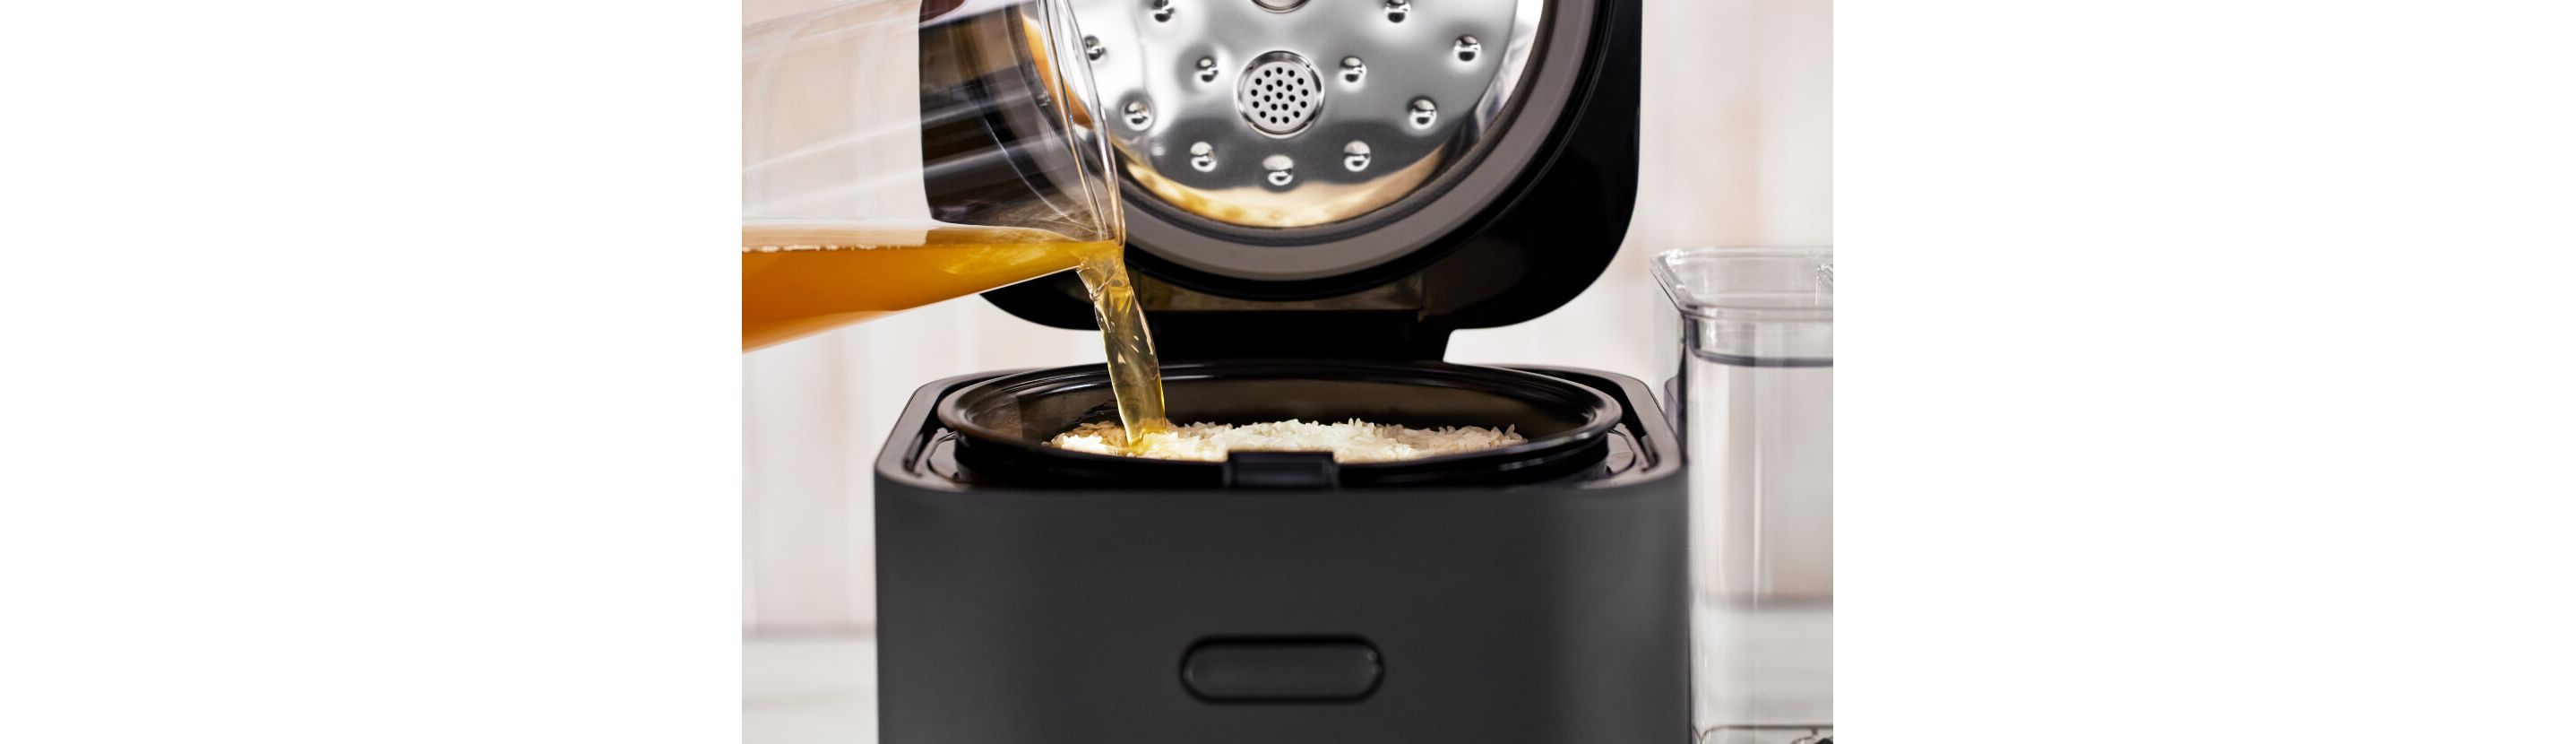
{"points": [[1258, 116]]}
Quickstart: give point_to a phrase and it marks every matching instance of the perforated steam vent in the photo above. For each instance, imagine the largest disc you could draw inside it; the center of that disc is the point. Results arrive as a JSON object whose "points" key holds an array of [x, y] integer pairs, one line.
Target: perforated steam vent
{"points": [[1280, 94], [1255, 116]]}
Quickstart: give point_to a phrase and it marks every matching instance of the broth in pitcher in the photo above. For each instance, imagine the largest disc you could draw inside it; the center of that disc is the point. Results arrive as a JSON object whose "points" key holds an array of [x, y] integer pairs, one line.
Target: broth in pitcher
{"points": [[803, 278]]}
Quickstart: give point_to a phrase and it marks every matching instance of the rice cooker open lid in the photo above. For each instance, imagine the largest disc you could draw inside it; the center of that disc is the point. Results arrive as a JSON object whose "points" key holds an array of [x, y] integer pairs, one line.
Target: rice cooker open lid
{"points": [[1356, 179]]}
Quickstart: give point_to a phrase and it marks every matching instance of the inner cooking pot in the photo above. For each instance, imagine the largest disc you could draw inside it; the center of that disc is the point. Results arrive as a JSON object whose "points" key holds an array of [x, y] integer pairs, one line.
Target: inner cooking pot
{"points": [[1004, 423]]}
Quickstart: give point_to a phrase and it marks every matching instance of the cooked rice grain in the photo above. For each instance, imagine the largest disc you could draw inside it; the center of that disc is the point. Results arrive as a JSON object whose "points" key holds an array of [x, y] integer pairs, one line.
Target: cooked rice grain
{"points": [[1349, 441]]}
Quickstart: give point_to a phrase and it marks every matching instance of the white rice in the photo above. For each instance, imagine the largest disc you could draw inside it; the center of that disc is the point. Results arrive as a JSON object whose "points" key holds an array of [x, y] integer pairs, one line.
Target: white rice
{"points": [[1349, 441]]}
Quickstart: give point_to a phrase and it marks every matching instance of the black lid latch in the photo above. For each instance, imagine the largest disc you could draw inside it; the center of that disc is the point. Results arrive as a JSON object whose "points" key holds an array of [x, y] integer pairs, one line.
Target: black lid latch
{"points": [[1281, 470]]}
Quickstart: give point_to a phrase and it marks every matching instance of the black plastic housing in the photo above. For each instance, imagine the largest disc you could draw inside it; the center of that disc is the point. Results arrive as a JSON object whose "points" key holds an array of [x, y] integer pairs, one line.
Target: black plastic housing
{"points": [[1034, 612]]}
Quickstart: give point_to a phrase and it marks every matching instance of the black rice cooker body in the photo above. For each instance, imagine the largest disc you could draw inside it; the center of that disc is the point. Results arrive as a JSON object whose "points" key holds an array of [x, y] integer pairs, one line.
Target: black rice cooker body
{"points": [[1030, 612]]}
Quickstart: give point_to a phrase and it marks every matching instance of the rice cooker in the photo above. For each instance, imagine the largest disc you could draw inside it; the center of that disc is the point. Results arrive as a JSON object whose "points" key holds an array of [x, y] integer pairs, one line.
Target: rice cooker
{"points": [[1318, 193]]}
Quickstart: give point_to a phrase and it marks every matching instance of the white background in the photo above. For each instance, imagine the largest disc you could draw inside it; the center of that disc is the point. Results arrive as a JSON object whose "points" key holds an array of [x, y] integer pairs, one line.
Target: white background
{"points": [[372, 371]]}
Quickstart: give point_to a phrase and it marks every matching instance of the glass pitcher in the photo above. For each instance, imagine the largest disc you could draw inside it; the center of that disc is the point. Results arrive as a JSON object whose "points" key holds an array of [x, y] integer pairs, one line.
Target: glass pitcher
{"points": [[896, 153], [1753, 383]]}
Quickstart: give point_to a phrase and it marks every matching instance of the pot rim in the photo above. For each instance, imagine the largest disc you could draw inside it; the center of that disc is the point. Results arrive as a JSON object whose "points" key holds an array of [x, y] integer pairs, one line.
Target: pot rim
{"points": [[1602, 413]]}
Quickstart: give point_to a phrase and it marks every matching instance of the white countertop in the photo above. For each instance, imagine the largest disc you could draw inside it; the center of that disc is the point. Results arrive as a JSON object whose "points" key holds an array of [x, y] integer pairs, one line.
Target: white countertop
{"points": [[823, 690], [818, 690]]}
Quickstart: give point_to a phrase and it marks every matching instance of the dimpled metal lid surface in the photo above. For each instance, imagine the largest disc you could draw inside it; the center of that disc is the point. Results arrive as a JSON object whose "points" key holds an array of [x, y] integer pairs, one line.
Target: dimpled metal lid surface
{"points": [[1266, 114]]}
